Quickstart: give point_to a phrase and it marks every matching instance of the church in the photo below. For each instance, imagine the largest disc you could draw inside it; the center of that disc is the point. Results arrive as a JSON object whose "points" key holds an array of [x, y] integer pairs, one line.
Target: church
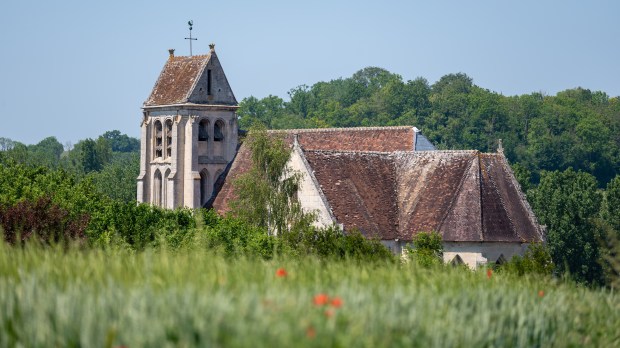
{"points": [[388, 182]]}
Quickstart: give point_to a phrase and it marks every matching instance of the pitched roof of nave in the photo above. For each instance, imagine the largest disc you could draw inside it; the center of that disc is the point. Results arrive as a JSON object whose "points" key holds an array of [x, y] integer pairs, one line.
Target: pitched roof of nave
{"points": [[399, 138], [373, 181]]}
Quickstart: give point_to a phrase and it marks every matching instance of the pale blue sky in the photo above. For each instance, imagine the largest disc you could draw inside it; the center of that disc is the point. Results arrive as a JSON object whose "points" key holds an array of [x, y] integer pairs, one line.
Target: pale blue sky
{"points": [[75, 69]]}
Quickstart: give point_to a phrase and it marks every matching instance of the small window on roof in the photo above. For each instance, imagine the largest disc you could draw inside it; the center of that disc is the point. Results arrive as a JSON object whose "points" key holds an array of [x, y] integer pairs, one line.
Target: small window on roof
{"points": [[209, 81]]}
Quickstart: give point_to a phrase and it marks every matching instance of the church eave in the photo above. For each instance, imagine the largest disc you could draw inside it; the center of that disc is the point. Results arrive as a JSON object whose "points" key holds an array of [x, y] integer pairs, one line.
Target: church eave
{"points": [[192, 106]]}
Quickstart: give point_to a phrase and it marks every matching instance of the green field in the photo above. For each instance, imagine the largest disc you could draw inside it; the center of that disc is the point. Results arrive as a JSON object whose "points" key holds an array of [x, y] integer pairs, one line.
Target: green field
{"points": [[94, 298]]}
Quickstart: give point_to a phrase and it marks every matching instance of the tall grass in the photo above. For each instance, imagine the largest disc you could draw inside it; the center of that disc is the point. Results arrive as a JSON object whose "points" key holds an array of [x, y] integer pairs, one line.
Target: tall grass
{"points": [[96, 298]]}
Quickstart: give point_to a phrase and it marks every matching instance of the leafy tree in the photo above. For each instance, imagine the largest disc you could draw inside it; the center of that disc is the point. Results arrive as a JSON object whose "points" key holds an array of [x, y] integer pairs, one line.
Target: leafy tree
{"points": [[567, 203], [117, 179], [427, 249], [612, 203], [536, 260], [121, 142], [91, 155], [266, 192], [6, 144]]}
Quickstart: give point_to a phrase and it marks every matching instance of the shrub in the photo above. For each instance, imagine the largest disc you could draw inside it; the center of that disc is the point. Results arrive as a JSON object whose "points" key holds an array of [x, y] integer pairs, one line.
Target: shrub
{"points": [[536, 260], [427, 249], [40, 219]]}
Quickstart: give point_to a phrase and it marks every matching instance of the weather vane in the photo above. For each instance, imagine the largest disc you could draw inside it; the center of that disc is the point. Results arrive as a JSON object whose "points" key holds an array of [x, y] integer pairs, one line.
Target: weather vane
{"points": [[190, 38]]}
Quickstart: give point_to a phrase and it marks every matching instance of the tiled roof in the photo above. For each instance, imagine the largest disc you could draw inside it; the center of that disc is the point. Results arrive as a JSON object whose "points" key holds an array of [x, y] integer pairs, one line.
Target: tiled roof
{"points": [[226, 193], [375, 183], [176, 80], [352, 139], [360, 188], [464, 195], [195, 80], [385, 139]]}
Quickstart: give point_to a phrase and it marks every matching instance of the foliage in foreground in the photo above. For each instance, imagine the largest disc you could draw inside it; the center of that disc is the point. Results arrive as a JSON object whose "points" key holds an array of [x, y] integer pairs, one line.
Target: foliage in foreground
{"points": [[100, 298], [427, 249]]}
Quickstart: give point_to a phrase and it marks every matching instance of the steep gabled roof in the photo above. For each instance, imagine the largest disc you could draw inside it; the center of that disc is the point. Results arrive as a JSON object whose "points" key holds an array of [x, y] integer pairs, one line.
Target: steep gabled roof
{"points": [[242, 163], [464, 195], [352, 139], [185, 80], [360, 188], [392, 192]]}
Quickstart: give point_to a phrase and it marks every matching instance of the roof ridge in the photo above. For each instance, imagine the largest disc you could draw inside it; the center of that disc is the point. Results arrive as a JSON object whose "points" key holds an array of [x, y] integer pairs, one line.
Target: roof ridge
{"points": [[503, 205], [458, 191], [193, 56], [387, 153], [395, 153], [336, 129], [522, 197]]}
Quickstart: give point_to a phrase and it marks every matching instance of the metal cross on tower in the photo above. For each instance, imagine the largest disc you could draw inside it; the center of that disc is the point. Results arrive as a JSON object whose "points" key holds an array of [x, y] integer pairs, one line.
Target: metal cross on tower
{"points": [[190, 38]]}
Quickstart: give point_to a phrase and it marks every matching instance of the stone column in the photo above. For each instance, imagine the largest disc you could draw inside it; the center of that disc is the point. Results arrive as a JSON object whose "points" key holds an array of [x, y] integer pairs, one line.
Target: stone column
{"points": [[142, 185], [191, 190]]}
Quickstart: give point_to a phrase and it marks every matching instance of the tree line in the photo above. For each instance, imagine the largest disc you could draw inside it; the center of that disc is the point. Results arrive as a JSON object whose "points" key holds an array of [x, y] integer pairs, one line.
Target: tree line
{"points": [[576, 128]]}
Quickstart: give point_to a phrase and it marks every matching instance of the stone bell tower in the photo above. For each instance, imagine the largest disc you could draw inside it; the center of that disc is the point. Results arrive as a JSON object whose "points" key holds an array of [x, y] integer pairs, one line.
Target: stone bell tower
{"points": [[189, 132]]}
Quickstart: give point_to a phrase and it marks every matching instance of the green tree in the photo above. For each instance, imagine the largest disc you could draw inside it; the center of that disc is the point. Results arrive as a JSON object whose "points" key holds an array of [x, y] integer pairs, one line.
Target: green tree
{"points": [[427, 249], [567, 203], [266, 192], [117, 179], [121, 142]]}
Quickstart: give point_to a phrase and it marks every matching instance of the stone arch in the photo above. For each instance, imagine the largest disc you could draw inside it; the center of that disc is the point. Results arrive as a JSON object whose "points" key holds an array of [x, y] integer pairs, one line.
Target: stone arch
{"points": [[219, 138], [157, 188], [157, 139], [501, 260], [164, 190], [457, 261], [168, 138], [219, 131], [203, 130], [205, 192]]}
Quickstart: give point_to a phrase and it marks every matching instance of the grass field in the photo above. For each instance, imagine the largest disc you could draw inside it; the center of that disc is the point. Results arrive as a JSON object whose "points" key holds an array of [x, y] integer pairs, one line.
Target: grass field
{"points": [[96, 298]]}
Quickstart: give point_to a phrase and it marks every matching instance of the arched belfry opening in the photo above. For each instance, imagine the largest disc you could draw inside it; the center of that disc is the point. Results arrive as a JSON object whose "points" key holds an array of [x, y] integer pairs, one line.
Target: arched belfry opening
{"points": [[168, 138], [164, 190], [157, 188], [205, 187], [218, 131], [158, 140], [203, 130]]}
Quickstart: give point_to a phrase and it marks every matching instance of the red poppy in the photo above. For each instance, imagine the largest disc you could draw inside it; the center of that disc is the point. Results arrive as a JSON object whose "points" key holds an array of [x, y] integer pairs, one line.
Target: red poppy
{"points": [[541, 293], [321, 299], [310, 332], [329, 313], [336, 302], [281, 273], [489, 273]]}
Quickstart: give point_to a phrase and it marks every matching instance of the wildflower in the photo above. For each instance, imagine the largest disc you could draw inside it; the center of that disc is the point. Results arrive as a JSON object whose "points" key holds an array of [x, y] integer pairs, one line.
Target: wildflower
{"points": [[321, 299], [329, 313], [281, 273], [336, 302], [310, 332], [541, 293], [489, 273]]}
